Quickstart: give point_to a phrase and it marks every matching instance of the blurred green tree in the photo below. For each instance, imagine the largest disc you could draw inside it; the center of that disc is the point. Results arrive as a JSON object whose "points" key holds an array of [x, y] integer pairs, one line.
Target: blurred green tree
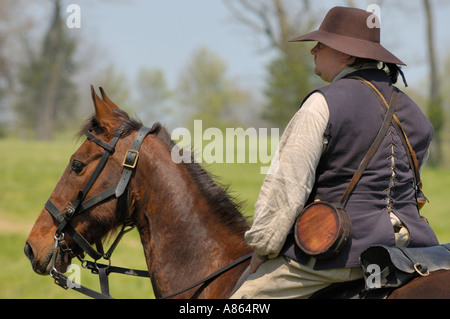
{"points": [[154, 97], [14, 24], [205, 92], [115, 83], [47, 95], [435, 109], [290, 74]]}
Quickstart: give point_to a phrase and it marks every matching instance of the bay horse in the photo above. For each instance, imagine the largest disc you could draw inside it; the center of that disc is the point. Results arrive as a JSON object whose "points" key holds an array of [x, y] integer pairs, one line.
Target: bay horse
{"points": [[188, 224]]}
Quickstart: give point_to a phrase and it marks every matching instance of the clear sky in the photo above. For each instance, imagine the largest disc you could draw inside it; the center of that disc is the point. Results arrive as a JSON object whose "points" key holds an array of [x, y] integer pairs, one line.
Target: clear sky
{"points": [[164, 33]]}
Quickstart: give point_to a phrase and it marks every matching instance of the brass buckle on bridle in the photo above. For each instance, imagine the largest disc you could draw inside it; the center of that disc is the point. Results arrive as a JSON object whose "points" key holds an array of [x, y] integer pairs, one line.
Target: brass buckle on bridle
{"points": [[130, 159]]}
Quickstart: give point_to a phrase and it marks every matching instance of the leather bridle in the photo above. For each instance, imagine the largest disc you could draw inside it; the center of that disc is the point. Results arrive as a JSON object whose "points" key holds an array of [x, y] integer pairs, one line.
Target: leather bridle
{"points": [[80, 205]]}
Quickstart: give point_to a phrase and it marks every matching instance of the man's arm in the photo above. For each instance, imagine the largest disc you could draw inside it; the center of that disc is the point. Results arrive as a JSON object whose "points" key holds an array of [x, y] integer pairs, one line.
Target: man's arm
{"points": [[287, 186]]}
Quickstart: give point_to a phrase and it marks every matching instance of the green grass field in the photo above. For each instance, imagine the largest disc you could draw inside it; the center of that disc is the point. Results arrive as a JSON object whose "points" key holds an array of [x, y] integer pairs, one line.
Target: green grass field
{"points": [[28, 172]]}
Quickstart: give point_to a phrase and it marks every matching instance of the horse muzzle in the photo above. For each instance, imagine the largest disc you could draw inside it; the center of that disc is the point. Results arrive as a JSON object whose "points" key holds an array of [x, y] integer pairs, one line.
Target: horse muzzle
{"points": [[43, 266], [37, 266]]}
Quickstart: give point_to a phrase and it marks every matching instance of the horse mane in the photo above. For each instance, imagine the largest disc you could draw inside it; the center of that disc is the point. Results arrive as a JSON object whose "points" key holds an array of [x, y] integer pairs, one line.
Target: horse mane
{"points": [[217, 195], [227, 207]]}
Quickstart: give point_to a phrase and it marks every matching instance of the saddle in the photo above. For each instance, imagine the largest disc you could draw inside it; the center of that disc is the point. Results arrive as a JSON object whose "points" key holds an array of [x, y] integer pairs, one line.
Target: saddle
{"points": [[388, 268], [392, 267]]}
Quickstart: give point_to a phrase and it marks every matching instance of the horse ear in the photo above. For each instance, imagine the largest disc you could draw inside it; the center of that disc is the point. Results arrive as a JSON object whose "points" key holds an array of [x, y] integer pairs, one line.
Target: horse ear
{"points": [[103, 113], [108, 100]]}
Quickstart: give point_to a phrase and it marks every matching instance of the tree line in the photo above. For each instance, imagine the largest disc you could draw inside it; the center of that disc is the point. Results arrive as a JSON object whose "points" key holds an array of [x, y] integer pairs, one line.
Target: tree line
{"points": [[39, 88]]}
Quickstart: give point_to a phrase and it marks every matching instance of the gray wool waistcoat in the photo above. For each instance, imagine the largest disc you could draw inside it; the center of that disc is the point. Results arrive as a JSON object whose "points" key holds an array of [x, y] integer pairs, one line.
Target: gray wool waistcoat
{"points": [[386, 186]]}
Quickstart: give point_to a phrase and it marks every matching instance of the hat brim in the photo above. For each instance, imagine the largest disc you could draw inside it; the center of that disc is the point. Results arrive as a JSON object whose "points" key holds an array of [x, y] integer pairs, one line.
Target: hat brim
{"points": [[352, 46]]}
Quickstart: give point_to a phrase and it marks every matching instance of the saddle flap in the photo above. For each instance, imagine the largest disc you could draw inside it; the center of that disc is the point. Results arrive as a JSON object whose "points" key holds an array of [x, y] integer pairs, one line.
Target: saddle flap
{"points": [[394, 266]]}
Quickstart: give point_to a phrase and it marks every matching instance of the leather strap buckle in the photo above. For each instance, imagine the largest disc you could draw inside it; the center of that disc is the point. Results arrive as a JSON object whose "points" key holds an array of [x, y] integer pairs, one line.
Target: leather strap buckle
{"points": [[130, 159], [421, 270]]}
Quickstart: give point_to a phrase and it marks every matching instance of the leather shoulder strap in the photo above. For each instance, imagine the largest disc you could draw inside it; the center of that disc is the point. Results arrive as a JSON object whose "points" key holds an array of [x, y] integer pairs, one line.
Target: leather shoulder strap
{"points": [[412, 157], [375, 145]]}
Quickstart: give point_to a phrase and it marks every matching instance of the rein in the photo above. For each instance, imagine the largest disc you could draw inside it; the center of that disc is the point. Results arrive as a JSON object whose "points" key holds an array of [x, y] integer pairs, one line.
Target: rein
{"points": [[81, 205]]}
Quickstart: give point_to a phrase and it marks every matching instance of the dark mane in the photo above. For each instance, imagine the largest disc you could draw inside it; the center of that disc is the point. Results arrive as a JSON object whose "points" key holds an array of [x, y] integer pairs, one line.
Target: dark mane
{"points": [[217, 195]]}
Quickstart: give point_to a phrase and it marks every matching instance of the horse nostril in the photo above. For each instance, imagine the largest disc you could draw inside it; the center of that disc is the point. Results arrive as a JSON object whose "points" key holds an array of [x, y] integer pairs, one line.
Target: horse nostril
{"points": [[28, 252]]}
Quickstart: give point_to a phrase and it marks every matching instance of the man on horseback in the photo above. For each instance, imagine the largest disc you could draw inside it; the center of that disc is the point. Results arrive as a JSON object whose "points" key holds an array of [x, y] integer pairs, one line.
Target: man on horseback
{"points": [[320, 151]]}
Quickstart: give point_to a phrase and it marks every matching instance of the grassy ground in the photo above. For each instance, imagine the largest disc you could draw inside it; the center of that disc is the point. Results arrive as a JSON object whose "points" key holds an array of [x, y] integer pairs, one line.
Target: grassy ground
{"points": [[30, 170]]}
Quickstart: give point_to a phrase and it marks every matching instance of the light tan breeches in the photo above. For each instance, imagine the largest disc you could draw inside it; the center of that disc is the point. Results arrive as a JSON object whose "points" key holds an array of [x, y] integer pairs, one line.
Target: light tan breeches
{"points": [[283, 277]]}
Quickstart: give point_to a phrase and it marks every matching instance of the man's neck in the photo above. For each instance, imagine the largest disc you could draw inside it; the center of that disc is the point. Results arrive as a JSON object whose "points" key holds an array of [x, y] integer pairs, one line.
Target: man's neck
{"points": [[349, 69]]}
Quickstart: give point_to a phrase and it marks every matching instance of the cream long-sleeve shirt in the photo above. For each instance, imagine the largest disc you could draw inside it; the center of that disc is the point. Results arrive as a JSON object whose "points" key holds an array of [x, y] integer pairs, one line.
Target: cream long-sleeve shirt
{"points": [[286, 188], [291, 176]]}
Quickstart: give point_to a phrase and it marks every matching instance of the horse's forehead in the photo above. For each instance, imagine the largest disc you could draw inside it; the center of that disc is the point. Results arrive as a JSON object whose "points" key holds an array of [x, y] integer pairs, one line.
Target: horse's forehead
{"points": [[87, 149]]}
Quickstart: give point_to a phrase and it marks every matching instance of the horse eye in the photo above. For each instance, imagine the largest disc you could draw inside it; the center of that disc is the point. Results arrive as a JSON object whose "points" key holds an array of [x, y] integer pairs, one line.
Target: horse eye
{"points": [[77, 166]]}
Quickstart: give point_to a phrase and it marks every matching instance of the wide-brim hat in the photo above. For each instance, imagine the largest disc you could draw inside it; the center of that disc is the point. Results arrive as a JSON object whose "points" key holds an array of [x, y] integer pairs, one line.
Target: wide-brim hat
{"points": [[351, 31]]}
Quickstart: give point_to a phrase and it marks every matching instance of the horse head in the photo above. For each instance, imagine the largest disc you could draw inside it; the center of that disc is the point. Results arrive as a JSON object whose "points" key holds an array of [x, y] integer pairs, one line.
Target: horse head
{"points": [[187, 223], [77, 185]]}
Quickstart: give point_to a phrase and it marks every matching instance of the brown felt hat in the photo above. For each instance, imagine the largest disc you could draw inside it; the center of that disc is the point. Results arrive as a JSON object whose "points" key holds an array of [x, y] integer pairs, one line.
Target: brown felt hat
{"points": [[351, 31]]}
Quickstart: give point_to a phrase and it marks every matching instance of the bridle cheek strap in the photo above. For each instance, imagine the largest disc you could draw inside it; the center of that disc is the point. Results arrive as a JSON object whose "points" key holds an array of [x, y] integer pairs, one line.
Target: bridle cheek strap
{"points": [[80, 205], [130, 160]]}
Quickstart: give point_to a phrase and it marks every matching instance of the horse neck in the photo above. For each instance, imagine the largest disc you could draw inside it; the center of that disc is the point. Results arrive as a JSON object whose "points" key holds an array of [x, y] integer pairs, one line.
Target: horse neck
{"points": [[183, 239]]}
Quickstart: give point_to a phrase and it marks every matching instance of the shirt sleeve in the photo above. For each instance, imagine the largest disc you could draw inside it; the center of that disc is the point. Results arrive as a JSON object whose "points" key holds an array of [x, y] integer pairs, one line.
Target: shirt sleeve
{"points": [[290, 178]]}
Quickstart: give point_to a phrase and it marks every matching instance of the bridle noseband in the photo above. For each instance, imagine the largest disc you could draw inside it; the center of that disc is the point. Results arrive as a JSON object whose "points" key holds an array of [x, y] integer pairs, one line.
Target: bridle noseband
{"points": [[81, 205]]}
